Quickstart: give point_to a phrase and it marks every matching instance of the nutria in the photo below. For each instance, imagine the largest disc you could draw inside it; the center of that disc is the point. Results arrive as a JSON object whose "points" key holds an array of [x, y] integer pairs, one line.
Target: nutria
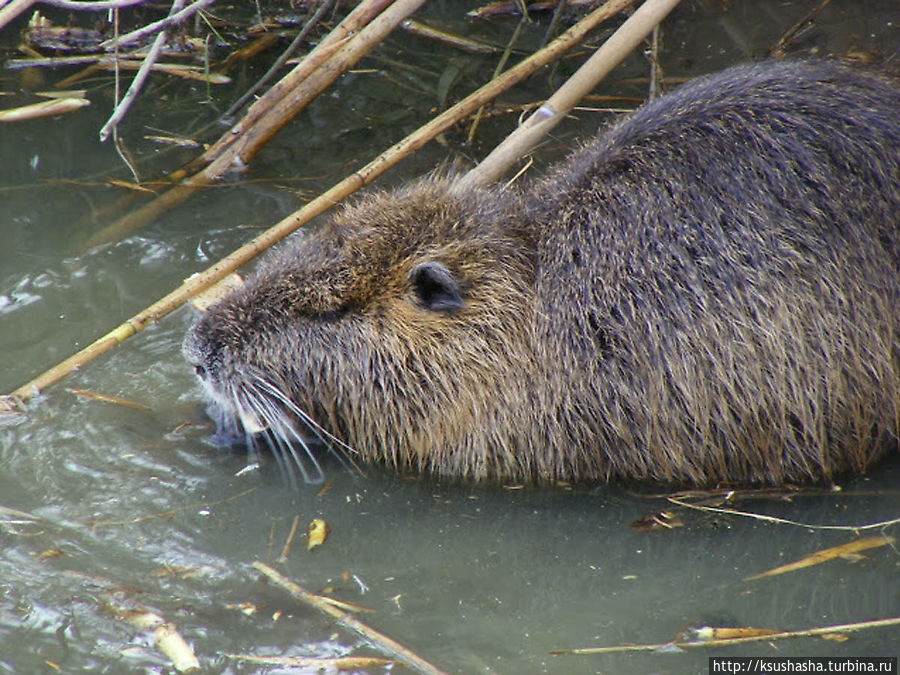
{"points": [[708, 291]]}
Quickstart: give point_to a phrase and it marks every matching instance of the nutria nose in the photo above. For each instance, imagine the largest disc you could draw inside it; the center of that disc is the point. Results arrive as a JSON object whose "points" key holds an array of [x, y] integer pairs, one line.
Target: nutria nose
{"points": [[196, 352]]}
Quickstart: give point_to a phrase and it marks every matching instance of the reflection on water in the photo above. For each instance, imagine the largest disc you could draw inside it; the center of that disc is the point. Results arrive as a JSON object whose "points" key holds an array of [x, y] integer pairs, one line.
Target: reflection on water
{"points": [[109, 502]]}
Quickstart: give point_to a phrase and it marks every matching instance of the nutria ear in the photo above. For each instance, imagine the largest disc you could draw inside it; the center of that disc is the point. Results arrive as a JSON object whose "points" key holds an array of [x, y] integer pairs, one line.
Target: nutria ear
{"points": [[435, 287]]}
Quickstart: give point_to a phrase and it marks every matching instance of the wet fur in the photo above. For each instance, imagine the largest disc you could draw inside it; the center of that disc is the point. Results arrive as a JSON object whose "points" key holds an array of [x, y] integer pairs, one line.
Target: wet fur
{"points": [[706, 292]]}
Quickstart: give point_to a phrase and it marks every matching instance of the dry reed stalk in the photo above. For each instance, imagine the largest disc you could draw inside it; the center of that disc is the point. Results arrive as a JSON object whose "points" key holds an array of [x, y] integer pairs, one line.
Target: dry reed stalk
{"points": [[285, 107], [244, 143], [325, 6], [338, 36], [326, 200], [10, 11], [638, 26]]}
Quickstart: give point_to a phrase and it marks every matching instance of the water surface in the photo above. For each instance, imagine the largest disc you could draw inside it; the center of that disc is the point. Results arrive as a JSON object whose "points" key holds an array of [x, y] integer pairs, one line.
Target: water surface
{"points": [[138, 506]]}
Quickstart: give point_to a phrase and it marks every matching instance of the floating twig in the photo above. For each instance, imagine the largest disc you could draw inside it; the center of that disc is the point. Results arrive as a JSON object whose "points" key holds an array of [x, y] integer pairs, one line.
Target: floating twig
{"points": [[395, 649], [106, 398], [171, 512], [53, 61], [286, 549], [808, 18], [139, 79], [676, 646], [318, 665], [422, 30], [175, 17], [15, 513]]}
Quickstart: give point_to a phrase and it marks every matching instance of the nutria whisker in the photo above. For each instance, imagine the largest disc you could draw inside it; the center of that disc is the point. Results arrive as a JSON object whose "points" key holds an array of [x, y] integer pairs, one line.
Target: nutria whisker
{"points": [[282, 435], [321, 432], [335, 445], [286, 433]]}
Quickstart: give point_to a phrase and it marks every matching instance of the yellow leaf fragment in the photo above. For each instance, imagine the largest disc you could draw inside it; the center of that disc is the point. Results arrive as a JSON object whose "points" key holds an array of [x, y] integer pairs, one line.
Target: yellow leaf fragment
{"points": [[316, 534], [49, 553]]}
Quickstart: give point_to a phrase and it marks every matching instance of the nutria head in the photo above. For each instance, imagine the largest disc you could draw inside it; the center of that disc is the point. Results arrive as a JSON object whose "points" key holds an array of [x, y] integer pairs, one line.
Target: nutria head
{"points": [[398, 331]]}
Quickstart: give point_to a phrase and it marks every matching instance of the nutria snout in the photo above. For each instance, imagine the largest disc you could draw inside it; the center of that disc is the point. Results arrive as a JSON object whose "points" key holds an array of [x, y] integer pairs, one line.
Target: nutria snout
{"points": [[708, 291]]}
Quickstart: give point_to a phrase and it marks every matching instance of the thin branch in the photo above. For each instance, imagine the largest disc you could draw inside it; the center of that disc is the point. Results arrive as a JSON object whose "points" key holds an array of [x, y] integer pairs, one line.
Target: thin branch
{"points": [[101, 6], [784, 521], [501, 64], [778, 49], [122, 106], [13, 9], [151, 28]]}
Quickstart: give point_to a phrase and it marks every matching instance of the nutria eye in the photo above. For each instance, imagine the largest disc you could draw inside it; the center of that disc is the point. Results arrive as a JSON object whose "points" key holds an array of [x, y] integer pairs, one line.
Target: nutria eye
{"points": [[435, 287]]}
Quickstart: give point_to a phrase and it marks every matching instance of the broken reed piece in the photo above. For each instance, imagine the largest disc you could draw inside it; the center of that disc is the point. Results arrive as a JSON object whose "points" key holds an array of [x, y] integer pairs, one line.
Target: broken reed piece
{"points": [[664, 647], [165, 636]]}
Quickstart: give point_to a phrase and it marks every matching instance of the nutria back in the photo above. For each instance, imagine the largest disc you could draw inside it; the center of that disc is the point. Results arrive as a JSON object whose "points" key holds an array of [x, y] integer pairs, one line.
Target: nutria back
{"points": [[706, 292]]}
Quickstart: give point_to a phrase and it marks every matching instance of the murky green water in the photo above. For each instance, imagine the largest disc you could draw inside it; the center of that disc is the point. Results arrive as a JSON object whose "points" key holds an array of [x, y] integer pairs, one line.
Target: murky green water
{"points": [[136, 506]]}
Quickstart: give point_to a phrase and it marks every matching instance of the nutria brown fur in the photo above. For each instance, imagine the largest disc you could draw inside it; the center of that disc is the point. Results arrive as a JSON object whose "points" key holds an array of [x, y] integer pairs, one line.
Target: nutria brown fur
{"points": [[709, 291]]}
